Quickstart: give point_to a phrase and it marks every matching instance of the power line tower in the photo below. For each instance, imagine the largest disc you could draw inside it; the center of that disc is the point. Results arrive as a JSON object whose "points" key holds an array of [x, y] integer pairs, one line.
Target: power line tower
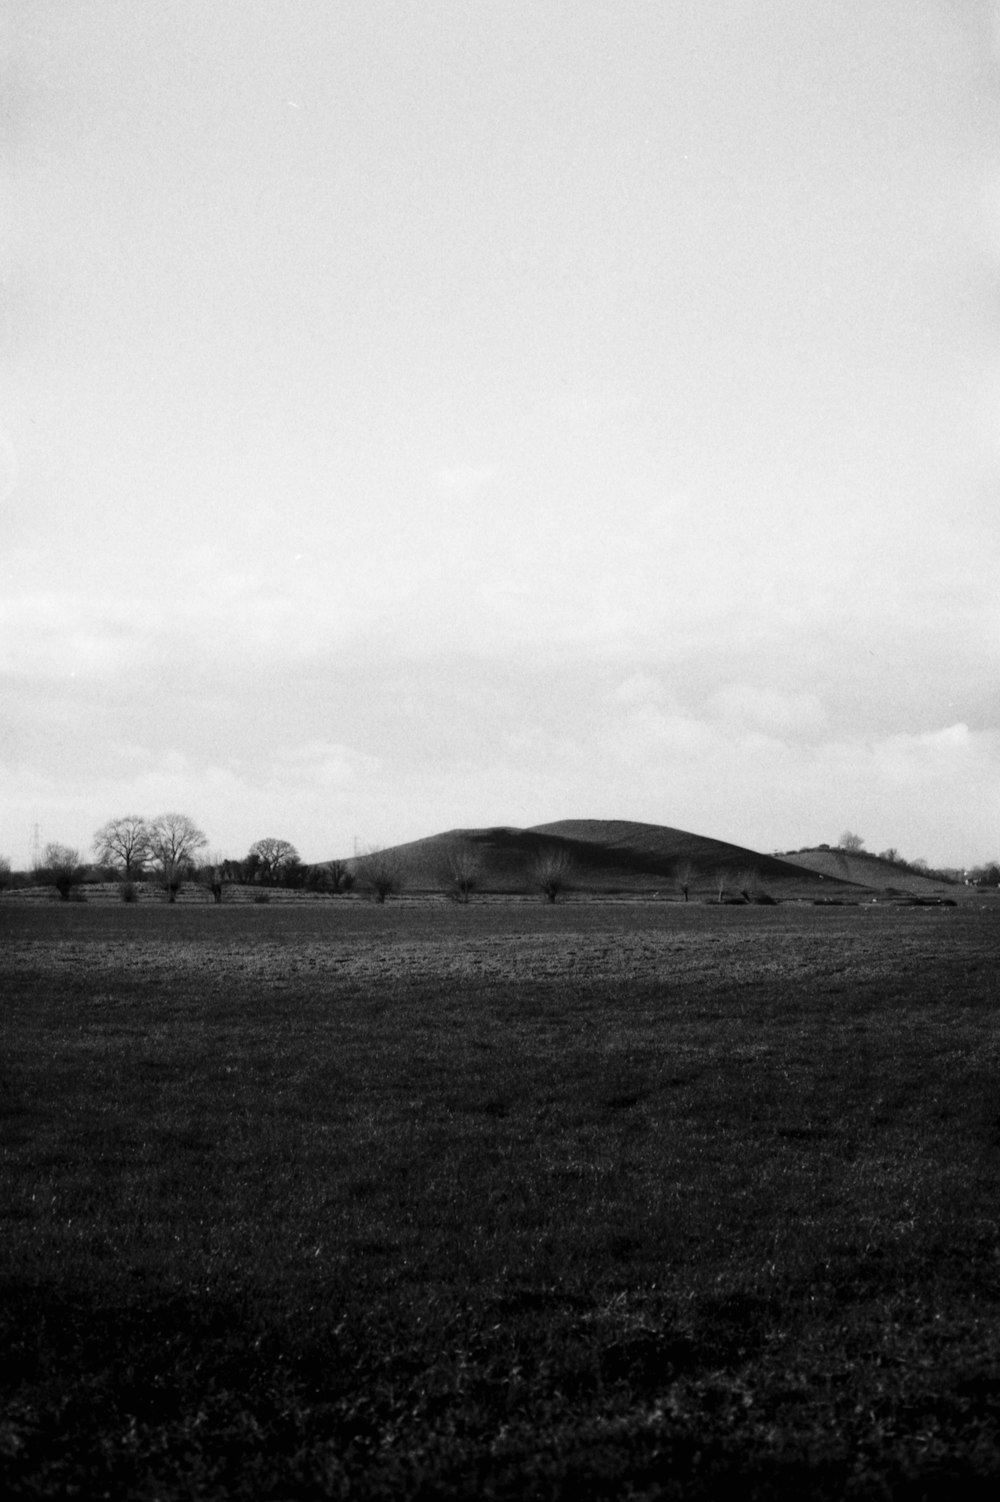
{"points": [[36, 847]]}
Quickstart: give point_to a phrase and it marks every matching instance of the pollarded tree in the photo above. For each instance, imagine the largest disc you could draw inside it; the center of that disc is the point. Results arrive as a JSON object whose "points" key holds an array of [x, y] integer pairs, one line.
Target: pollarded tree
{"points": [[210, 876], [684, 874], [462, 869], [550, 871], [380, 873], [274, 858], [174, 840], [337, 875], [123, 844], [342, 878], [60, 868]]}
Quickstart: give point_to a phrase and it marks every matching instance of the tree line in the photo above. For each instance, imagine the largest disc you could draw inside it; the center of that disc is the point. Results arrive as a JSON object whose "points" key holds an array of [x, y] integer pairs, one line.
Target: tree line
{"points": [[987, 875], [170, 850]]}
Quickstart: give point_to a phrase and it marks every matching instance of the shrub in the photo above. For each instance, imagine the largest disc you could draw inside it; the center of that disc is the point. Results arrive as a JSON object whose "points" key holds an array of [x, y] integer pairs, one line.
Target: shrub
{"points": [[380, 873], [462, 871], [60, 868], [550, 871]]}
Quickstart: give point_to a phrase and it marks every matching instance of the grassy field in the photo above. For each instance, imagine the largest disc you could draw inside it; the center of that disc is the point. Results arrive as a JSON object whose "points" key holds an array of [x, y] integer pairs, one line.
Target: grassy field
{"points": [[612, 1201]]}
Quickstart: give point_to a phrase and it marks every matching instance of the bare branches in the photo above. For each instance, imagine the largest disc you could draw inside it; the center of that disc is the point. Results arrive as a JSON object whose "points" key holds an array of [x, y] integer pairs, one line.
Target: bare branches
{"points": [[123, 844], [550, 871], [274, 858], [60, 868], [174, 840], [684, 875], [463, 866], [379, 873]]}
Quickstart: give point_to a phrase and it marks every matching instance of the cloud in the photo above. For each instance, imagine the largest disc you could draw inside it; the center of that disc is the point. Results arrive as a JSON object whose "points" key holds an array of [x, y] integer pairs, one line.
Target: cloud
{"points": [[8, 465], [308, 793], [300, 768], [52, 636], [749, 764], [750, 706], [465, 480], [931, 793]]}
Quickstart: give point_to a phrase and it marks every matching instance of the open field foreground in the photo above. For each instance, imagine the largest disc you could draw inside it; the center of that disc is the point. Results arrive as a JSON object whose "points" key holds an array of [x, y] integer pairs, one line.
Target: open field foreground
{"points": [[603, 1201]]}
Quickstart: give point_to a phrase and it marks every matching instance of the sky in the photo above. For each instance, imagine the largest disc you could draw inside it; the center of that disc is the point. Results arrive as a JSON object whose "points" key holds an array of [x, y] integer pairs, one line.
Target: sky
{"points": [[421, 414]]}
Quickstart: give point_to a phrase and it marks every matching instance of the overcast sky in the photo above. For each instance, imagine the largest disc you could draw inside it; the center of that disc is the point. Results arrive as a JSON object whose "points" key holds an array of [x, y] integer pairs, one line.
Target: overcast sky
{"points": [[435, 413]]}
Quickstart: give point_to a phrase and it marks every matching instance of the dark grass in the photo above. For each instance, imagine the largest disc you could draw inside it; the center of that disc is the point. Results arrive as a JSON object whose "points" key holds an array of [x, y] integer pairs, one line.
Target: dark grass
{"points": [[615, 1202]]}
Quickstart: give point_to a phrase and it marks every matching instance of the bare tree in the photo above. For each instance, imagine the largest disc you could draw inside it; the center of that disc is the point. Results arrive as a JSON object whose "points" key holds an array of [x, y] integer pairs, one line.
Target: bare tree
{"points": [[4, 872], [210, 876], [721, 879], [380, 873], [340, 875], [684, 874], [123, 844], [463, 866], [550, 871], [174, 840], [748, 883], [851, 842], [60, 868], [275, 857]]}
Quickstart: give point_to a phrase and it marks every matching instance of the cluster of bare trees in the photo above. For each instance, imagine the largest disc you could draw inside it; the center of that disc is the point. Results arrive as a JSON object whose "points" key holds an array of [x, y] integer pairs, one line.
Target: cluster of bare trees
{"points": [[269, 862], [381, 874], [165, 847], [132, 847], [170, 850], [728, 883]]}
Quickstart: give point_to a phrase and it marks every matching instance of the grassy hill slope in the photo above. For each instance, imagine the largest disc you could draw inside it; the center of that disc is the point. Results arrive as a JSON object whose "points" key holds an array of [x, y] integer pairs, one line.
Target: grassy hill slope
{"points": [[658, 848], [614, 856], [871, 871]]}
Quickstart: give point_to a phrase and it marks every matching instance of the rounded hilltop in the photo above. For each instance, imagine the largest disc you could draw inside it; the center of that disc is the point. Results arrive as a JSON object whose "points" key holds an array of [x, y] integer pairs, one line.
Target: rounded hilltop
{"points": [[603, 856]]}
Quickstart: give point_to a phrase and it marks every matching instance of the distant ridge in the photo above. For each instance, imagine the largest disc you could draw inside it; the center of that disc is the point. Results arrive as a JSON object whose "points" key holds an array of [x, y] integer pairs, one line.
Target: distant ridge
{"points": [[658, 848], [869, 871], [607, 855]]}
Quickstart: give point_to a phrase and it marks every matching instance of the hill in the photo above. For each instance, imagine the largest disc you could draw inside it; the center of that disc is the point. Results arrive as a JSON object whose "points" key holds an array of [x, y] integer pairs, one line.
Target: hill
{"points": [[606, 855], [658, 849], [871, 871]]}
